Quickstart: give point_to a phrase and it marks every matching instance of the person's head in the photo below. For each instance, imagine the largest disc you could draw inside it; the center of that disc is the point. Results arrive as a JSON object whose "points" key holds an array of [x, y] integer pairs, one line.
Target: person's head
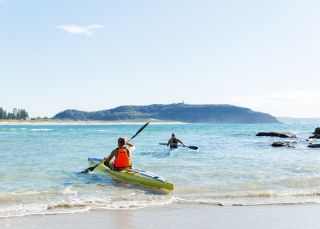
{"points": [[173, 135], [121, 142]]}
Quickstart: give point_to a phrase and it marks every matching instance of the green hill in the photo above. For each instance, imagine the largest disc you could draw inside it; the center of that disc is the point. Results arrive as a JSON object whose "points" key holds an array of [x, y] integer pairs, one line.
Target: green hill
{"points": [[173, 112]]}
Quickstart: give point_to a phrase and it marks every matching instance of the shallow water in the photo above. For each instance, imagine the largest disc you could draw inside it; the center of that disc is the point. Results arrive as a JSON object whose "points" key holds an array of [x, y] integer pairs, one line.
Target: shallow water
{"points": [[39, 167]]}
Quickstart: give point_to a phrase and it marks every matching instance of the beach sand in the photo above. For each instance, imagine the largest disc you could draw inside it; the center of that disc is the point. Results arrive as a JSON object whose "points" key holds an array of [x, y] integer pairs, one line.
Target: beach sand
{"points": [[89, 122], [179, 216]]}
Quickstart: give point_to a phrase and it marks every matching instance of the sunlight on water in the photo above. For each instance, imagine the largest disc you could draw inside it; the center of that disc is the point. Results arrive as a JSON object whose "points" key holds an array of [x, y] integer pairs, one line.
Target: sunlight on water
{"points": [[39, 167]]}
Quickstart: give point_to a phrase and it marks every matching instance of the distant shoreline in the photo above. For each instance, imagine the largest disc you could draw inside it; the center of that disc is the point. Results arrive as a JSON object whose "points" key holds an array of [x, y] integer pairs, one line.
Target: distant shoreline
{"points": [[290, 120], [119, 122], [81, 122]]}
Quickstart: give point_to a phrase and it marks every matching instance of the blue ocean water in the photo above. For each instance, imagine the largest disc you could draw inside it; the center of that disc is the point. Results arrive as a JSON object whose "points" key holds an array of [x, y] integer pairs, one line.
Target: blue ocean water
{"points": [[40, 164]]}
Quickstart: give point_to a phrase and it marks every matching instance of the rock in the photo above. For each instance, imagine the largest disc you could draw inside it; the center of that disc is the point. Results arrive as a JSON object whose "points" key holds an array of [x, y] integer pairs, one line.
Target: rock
{"points": [[276, 134], [315, 137], [314, 145], [284, 144], [317, 131]]}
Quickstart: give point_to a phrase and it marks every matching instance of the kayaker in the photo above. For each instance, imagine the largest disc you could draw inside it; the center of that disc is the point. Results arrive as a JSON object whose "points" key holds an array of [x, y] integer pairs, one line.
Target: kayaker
{"points": [[173, 142], [122, 156]]}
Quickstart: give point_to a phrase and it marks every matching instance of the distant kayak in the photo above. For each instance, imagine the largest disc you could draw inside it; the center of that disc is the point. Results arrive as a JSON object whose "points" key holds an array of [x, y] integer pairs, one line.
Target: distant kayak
{"points": [[178, 146], [134, 176]]}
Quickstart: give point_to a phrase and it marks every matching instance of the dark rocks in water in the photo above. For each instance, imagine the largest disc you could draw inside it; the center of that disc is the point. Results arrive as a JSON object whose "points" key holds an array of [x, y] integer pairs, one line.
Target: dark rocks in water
{"points": [[316, 133], [315, 136], [284, 144], [314, 145], [276, 134]]}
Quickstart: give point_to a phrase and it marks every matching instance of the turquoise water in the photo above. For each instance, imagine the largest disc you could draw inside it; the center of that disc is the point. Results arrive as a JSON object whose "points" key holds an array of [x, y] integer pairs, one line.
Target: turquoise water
{"points": [[39, 167]]}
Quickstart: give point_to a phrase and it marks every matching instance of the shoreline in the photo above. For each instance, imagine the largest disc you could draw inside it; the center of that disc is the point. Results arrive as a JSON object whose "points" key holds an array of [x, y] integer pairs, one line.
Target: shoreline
{"points": [[178, 216], [132, 122], [89, 122]]}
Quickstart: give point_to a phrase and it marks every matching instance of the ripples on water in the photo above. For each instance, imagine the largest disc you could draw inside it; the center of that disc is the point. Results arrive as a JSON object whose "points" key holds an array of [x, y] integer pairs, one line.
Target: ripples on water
{"points": [[39, 167]]}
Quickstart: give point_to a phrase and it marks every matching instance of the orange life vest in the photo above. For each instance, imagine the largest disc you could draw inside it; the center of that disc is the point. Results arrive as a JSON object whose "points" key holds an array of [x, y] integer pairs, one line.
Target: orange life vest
{"points": [[122, 159]]}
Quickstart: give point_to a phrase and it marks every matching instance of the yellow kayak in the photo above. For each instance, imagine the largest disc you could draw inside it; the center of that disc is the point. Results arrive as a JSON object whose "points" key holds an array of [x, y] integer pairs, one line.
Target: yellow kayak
{"points": [[134, 176]]}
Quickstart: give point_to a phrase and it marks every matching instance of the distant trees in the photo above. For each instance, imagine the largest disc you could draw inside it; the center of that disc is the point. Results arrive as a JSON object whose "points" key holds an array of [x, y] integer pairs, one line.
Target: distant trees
{"points": [[3, 113], [19, 114]]}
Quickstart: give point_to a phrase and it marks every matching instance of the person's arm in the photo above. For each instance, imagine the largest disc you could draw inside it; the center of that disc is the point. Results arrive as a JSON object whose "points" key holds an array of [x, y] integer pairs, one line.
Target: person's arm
{"points": [[181, 142], [108, 159], [131, 148], [129, 144], [169, 142]]}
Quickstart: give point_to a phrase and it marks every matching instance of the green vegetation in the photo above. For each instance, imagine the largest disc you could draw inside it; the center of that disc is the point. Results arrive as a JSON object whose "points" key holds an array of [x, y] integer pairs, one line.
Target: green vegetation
{"points": [[40, 118], [16, 114], [180, 112]]}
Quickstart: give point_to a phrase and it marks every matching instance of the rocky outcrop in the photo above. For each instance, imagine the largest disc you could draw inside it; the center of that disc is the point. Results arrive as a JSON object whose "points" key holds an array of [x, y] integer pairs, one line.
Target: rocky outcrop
{"points": [[284, 144], [316, 133], [315, 137], [313, 140], [314, 145], [276, 134]]}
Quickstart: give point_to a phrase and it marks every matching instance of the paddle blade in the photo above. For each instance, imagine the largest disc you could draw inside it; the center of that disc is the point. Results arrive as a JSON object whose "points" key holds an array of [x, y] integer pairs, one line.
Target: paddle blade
{"points": [[90, 169], [193, 147], [85, 171]]}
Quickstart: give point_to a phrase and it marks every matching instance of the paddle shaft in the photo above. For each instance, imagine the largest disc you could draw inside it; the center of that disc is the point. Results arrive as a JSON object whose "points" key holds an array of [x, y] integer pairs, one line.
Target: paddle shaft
{"points": [[190, 147]]}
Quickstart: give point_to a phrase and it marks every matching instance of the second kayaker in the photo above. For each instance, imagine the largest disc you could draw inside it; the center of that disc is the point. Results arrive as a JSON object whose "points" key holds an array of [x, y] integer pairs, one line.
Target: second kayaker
{"points": [[122, 156], [173, 142]]}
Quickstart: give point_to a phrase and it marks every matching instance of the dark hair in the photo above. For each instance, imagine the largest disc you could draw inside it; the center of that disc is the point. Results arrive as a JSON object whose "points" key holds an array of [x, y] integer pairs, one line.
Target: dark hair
{"points": [[122, 141]]}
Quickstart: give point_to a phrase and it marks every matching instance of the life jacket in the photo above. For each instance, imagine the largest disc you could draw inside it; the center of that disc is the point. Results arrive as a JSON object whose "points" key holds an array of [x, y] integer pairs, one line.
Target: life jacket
{"points": [[122, 159], [174, 143]]}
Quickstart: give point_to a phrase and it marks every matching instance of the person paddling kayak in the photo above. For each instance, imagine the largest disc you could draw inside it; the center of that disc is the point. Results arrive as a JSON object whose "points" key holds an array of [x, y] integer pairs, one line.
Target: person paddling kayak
{"points": [[122, 156], [173, 142]]}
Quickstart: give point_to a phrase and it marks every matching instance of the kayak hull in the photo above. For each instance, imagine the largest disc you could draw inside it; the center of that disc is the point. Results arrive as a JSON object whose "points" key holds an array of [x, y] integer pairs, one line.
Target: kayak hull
{"points": [[134, 176]]}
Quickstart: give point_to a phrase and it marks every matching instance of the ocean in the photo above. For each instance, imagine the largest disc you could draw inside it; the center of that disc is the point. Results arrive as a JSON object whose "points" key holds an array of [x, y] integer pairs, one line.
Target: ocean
{"points": [[40, 165]]}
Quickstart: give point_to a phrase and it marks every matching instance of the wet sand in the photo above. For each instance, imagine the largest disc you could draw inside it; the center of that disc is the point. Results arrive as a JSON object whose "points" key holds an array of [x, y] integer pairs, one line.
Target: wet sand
{"points": [[178, 216]]}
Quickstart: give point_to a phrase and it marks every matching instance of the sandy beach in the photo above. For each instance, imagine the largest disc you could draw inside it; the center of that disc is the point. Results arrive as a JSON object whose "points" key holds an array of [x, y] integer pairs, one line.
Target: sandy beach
{"points": [[89, 122], [178, 216]]}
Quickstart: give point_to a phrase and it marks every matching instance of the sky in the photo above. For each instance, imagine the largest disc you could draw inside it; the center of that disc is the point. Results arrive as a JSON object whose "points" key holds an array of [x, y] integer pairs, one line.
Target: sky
{"points": [[98, 54]]}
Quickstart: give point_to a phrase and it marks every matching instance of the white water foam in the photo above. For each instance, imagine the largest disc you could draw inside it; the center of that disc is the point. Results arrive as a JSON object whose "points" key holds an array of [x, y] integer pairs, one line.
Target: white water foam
{"points": [[41, 129], [71, 200]]}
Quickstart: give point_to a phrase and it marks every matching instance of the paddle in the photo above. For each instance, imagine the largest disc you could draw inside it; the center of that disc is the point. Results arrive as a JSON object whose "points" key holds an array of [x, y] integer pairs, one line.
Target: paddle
{"points": [[93, 167], [190, 147]]}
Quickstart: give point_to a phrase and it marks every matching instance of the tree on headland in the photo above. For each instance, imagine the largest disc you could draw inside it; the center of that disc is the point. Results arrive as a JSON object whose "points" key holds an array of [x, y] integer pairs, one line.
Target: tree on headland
{"points": [[17, 114], [3, 113], [10, 115], [23, 114]]}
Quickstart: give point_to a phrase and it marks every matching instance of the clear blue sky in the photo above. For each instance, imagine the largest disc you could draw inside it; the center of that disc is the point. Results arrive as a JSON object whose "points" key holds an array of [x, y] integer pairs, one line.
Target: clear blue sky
{"points": [[92, 55]]}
